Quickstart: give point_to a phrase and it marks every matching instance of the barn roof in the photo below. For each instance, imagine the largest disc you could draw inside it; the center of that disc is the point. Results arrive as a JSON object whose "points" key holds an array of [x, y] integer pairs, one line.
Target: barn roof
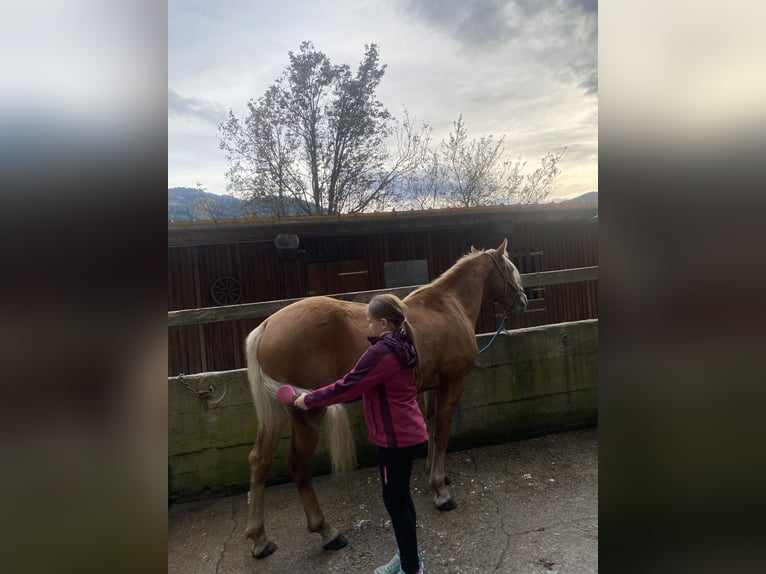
{"points": [[256, 229]]}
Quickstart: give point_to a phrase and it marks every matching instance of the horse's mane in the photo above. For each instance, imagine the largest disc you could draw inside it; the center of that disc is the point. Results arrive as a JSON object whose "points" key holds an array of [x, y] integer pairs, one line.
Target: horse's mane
{"points": [[459, 264]]}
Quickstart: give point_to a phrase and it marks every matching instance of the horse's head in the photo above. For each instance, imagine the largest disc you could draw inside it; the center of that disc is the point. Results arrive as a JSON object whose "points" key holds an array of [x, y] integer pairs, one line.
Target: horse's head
{"points": [[503, 284]]}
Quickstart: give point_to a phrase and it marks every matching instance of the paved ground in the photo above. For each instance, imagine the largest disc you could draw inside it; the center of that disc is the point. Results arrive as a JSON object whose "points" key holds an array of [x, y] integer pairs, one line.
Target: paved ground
{"points": [[523, 507]]}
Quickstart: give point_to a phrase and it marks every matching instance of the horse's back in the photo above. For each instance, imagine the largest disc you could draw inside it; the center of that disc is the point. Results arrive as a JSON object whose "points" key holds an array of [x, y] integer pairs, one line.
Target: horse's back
{"points": [[314, 341]]}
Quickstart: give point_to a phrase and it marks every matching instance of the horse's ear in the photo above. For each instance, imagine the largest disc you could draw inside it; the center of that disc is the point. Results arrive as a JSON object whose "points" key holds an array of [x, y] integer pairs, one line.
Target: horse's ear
{"points": [[501, 250], [474, 250]]}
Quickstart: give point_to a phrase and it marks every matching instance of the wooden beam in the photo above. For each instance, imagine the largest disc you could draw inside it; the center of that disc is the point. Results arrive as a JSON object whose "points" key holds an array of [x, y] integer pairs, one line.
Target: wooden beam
{"points": [[266, 308], [559, 276]]}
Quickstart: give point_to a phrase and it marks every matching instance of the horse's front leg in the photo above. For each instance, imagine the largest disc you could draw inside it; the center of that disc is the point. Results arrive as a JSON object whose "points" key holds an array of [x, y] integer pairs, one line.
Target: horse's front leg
{"points": [[429, 413], [429, 402], [447, 397], [259, 459], [301, 462]]}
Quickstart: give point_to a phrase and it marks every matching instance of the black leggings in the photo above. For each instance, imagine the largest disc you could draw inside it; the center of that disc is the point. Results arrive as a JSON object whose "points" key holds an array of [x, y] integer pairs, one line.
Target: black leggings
{"points": [[395, 466]]}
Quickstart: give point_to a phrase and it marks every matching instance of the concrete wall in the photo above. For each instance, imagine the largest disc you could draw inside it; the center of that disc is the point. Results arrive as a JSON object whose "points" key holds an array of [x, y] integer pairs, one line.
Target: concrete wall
{"points": [[529, 382]]}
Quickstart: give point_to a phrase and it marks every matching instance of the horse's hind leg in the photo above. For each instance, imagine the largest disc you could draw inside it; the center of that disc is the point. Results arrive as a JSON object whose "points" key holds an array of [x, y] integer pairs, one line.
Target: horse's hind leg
{"points": [[260, 458], [301, 461]]}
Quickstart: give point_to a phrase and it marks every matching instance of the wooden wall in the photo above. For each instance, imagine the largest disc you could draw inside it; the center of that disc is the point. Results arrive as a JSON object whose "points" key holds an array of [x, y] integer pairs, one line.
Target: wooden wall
{"points": [[218, 346]]}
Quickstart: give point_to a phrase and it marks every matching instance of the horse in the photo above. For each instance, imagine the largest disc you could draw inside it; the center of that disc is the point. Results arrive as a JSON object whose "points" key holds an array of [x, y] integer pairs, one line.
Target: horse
{"points": [[315, 341]]}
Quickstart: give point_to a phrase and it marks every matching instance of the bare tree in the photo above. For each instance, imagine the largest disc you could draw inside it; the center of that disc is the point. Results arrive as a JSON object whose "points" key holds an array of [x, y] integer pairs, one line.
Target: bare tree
{"points": [[539, 183], [473, 172], [317, 139], [411, 149], [205, 207]]}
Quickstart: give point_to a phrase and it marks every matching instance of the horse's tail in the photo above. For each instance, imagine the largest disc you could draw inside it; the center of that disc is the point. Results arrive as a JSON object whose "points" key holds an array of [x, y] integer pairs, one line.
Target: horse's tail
{"points": [[342, 448], [272, 414]]}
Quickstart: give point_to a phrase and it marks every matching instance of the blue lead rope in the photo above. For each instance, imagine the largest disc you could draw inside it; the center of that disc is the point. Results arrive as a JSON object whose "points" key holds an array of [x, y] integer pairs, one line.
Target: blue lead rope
{"points": [[492, 340]]}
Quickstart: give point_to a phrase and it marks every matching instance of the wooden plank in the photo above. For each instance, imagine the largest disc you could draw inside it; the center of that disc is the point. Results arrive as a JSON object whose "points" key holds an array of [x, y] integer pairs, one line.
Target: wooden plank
{"points": [[560, 276], [264, 309]]}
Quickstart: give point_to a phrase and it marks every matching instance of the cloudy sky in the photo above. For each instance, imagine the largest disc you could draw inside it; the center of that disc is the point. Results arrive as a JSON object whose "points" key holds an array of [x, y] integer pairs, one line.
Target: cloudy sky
{"points": [[526, 69]]}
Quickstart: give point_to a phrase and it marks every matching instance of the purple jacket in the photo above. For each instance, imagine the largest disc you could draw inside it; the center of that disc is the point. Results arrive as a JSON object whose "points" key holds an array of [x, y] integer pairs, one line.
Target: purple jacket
{"points": [[384, 376]]}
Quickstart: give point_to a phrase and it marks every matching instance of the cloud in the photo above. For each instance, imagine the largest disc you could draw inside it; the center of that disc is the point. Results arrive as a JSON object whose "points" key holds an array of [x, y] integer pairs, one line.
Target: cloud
{"points": [[590, 83], [474, 23], [197, 108], [558, 36], [587, 6]]}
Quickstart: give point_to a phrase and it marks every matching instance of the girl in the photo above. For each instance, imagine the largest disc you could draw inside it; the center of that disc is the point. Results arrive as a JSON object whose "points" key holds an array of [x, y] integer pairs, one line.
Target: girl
{"points": [[384, 376]]}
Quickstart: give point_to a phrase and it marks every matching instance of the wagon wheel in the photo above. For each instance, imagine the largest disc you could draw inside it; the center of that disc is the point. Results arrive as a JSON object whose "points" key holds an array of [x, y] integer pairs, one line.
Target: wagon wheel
{"points": [[226, 291]]}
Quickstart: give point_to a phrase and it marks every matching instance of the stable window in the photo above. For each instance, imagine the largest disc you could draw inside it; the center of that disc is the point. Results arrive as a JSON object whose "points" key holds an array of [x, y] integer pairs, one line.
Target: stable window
{"points": [[406, 273]]}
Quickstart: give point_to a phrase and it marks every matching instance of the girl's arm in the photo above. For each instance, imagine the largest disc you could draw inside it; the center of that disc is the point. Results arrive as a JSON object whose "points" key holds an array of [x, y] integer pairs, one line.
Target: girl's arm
{"points": [[371, 370]]}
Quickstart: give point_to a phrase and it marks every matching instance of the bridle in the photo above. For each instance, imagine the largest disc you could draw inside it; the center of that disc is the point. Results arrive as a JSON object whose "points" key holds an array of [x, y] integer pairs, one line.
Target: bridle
{"points": [[506, 283], [505, 290]]}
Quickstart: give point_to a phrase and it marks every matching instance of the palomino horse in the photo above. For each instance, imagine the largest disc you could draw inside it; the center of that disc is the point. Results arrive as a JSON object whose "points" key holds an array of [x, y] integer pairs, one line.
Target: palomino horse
{"points": [[315, 341]]}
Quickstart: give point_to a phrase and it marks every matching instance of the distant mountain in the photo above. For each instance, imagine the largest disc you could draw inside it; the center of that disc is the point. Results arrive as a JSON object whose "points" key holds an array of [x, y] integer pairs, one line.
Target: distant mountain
{"points": [[590, 196], [191, 204]]}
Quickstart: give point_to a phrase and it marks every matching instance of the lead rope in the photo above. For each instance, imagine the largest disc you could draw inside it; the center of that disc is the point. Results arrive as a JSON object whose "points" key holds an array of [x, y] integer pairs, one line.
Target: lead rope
{"points": [[492, 340]]}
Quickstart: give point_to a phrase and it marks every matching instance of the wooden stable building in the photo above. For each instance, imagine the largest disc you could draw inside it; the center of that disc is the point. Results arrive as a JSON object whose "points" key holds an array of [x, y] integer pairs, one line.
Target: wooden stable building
{"points": [[212, 263]]}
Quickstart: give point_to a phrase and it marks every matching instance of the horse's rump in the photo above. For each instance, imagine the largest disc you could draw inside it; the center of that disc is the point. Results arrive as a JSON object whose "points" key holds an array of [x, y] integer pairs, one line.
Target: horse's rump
{"points": [[280, 351], [313, 342]]}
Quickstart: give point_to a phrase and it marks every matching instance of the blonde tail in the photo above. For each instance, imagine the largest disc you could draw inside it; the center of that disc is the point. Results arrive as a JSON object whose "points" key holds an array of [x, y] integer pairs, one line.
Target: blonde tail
{"points": [[340, 439], [271, 415]]}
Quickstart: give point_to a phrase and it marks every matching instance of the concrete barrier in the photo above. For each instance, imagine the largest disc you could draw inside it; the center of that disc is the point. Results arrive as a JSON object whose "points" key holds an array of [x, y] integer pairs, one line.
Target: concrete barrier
{"points": [[529, 382]]}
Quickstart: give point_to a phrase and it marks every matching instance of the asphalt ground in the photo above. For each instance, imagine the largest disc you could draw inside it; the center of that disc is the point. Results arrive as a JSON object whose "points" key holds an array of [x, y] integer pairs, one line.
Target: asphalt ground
{"points": [[523, 507]]}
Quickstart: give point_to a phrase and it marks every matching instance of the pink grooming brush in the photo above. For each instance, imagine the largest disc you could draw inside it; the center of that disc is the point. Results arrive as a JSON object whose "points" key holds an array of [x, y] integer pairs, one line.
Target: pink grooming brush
{"points": [[286, 395]]}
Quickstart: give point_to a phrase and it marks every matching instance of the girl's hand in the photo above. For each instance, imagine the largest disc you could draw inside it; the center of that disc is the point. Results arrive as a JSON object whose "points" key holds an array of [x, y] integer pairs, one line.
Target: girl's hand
{"points": [[299, 402]]}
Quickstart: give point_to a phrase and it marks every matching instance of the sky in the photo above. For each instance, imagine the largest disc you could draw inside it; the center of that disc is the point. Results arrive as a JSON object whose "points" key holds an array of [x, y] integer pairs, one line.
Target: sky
{"points": [[525, 69]]}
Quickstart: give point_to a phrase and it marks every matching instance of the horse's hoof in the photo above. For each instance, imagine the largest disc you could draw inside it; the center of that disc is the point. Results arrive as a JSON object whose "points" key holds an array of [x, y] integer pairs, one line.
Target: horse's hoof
{"points": [[447, 481], [447, 506], [269, 550], [337, 543]]}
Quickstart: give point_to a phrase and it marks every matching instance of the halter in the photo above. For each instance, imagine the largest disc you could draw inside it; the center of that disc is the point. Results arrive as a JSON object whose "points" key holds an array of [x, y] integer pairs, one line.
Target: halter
{"points": [[505, 290], [505, 281]]}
